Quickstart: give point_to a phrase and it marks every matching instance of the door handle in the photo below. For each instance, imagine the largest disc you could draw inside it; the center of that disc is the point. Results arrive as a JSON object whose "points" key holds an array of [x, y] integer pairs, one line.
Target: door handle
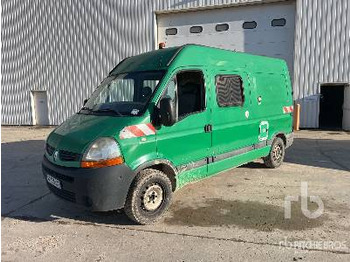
{"points": [[208, 128]]}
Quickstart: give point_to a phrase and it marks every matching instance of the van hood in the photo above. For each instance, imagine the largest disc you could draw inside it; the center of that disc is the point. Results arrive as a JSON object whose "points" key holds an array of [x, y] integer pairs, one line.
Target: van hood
{"points": [[77, 133]]}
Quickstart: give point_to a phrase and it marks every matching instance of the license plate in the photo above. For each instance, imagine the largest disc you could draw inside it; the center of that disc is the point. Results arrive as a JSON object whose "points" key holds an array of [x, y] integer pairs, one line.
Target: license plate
{"points": [[53, 181]]}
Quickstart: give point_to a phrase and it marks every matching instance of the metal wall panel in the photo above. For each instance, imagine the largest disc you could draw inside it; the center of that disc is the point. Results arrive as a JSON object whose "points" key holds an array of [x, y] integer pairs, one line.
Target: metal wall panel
{"points": [[265, 39], [322, 52], [67, 47]]}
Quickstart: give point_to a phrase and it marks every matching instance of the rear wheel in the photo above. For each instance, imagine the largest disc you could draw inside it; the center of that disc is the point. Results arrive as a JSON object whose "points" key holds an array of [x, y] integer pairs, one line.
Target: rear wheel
{"points": [[149, 197], [275, 158]]}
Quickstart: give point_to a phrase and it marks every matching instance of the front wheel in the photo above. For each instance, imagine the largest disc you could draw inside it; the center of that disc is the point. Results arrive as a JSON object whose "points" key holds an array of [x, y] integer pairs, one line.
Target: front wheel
{"points": [[149, 197], [275, 158]]}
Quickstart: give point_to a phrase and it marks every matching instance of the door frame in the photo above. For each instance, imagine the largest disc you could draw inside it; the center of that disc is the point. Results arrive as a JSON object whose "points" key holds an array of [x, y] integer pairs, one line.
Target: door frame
{"points": [[207, 110], [32, 105], [330, 84]]}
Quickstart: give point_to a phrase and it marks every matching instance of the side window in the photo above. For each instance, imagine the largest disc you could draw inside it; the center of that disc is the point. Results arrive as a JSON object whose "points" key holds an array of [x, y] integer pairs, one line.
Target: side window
{"points": [[278, 22], [191, 92], [249, 25], [196, 29], [229, 90], [170, 90], [171, 31], [221, 27]]}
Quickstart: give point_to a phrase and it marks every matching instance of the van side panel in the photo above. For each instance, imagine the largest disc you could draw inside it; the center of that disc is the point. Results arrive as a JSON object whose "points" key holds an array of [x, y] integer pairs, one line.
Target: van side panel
{"points": [[238, 160], [275, 94], [192, 175], [263, 77], [271, 88], [267, 103]]}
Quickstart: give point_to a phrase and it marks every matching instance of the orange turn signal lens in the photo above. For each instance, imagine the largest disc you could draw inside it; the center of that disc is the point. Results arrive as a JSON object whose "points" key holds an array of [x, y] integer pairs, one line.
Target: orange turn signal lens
{"points": [[102, 163]]}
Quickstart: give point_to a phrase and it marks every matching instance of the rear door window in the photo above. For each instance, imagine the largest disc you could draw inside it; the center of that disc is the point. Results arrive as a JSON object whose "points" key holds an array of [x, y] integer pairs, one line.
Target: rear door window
{"points": [[229, 90]]}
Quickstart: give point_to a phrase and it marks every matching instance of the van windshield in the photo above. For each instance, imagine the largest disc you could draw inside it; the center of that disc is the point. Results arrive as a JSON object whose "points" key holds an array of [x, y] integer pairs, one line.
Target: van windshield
{"points": [[123, 94]]}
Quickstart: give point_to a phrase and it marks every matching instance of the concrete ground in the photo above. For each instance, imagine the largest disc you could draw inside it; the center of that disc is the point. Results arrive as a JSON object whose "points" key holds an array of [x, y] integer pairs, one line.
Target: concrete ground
{"points": [[236, 215]]}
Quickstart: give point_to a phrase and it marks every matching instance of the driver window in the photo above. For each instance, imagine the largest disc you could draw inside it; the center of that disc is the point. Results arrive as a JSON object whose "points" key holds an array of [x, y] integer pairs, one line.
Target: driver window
{"points": [[191, 92], [171, 89], [187, 91]]}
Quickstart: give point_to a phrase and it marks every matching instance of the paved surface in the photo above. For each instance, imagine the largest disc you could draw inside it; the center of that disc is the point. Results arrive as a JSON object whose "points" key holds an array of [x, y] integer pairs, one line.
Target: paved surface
{"points": [[236, 215]]}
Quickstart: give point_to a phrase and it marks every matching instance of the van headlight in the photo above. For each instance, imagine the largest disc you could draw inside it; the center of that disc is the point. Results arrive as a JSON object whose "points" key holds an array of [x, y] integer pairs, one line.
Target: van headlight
{"points": [[101, 153]]}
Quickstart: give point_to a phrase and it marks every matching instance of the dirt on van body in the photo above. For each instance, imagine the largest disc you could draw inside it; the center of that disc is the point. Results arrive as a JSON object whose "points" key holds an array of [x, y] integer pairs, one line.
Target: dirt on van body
{"points": [[237, 215]]}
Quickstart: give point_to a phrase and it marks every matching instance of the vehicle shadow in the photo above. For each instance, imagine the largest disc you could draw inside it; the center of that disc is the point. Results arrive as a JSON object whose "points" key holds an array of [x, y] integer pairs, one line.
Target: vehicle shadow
{"points": [[25, 195], [323, 153]]}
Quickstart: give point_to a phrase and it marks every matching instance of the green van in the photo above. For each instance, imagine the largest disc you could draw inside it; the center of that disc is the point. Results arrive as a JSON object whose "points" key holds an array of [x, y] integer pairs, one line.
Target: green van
{"points": [[166, 118]]}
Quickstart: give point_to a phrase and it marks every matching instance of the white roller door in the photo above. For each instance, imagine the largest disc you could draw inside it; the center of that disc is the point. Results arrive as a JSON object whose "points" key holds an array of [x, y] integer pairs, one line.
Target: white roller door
{"points": [[262, 29]]}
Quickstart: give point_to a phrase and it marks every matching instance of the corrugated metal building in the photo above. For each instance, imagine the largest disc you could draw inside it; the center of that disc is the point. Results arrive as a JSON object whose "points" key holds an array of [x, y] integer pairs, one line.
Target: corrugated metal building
{"points": [[54, 53]]}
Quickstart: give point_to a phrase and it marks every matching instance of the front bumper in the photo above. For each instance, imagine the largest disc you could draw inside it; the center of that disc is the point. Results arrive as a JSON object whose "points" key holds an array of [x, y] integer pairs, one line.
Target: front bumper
{"points": [[100, 189]]}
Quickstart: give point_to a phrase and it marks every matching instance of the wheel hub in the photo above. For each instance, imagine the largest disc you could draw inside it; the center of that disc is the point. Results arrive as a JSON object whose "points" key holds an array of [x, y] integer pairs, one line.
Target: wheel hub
{"points": [[153, 197], [277, 152]]}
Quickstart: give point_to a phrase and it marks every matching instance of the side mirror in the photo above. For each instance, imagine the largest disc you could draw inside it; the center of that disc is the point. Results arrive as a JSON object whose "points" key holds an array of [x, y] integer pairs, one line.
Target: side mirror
{"points": [[167, 112], [85, 100]]}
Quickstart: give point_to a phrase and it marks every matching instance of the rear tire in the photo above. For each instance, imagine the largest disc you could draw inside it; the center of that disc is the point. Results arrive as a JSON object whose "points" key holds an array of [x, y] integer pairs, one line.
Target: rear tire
{"points": [[149, 197], [275, 158]]}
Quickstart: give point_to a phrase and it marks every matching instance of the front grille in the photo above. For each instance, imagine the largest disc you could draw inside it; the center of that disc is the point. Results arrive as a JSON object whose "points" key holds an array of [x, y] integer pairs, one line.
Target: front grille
{"points": [[49, 149], [63, 154], [70, 196], [69, 156], [58, 175]]}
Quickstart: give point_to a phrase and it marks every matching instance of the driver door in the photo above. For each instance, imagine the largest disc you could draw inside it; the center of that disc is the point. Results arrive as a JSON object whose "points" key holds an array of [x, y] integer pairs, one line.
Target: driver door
{"points": [[186, 143]]}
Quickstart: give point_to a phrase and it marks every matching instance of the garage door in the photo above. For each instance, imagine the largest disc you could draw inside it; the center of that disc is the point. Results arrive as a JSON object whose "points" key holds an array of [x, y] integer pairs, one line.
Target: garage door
{"points": [[262, 29]]}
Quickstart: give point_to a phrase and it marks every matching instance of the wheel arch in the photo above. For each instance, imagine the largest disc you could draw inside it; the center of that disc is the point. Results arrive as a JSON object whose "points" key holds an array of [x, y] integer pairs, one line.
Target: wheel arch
{"points": [[281, 135], [163, 165]]}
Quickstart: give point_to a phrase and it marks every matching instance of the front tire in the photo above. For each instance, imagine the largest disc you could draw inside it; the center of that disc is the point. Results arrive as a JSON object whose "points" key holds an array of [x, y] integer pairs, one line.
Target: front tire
{"points": [[275, 158], [149, 197]]}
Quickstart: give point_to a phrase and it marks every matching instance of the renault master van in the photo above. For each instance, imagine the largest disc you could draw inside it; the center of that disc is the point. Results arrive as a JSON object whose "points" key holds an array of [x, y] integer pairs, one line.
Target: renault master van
{"points": [[165, 118]]}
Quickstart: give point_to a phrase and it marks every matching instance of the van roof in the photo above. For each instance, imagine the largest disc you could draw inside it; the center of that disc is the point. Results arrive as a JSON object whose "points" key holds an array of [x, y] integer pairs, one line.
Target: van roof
{"points": [[149, 61], [195, 55]]}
